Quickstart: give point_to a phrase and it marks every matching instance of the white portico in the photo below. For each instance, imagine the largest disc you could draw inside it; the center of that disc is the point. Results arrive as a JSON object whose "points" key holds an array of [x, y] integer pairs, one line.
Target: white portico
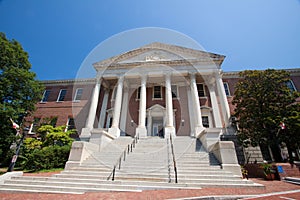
{"points": [[161, 90], [158, 89]]}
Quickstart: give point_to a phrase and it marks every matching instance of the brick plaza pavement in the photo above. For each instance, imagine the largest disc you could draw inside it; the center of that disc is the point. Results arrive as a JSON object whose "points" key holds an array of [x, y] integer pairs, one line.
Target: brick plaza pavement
{"points": [[270, 187]]}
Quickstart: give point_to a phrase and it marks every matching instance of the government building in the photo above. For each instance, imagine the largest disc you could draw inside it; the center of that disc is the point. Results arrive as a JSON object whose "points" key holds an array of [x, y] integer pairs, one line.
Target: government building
{"points": [[158, 93]]}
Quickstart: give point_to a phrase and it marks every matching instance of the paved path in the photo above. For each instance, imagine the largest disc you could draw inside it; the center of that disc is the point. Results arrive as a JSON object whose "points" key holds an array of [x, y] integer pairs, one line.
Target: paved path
{"points": [[273, 190]]}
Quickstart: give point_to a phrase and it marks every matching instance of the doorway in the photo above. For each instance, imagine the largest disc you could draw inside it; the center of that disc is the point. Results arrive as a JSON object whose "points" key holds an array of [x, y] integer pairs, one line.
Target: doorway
{"points": [[157, 127]]}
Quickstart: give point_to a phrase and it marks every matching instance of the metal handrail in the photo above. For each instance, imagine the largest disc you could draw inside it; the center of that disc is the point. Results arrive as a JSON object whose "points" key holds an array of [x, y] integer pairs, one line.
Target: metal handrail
{"points": [[174, 161], [127, 150], [168, 159]]}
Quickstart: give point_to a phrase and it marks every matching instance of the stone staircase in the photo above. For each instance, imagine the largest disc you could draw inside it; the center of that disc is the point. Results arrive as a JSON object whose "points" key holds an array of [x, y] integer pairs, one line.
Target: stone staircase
{"points": [[148, 166]]}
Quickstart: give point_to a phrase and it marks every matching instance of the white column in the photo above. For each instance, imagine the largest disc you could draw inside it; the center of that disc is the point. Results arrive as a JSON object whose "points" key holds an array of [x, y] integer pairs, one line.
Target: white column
{"points": [[141, 129], [89, 124], [195, 98], [124, 110], [215, 106], [223, 100], [114, 130], [103, 109], [169, 129]]}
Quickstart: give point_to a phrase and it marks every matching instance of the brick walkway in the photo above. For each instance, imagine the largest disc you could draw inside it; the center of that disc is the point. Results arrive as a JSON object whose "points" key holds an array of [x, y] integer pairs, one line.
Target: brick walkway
{"points": [[270, 187]]}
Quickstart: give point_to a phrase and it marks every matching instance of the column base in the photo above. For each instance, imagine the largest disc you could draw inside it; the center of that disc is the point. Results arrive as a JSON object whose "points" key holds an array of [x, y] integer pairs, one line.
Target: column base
{"points": [[114, 131], [170, 131], [141, 132], [85, 134]]}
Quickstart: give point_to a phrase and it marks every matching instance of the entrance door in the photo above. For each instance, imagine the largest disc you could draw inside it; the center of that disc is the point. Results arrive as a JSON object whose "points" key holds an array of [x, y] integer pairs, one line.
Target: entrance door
{"points": [[157, 127]]}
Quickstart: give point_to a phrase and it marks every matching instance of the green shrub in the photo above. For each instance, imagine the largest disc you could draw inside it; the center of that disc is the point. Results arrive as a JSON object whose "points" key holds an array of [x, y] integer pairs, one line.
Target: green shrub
{"points": [[46, 158]]}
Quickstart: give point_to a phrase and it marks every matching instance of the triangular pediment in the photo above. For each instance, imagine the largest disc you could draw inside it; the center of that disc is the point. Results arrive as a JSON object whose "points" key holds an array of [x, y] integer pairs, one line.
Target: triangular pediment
{"points": [[159, 53]]}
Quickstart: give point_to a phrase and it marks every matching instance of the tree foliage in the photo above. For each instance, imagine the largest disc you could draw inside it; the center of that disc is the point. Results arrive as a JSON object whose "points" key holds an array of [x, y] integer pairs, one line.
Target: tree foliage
{"points": [[263, 101], [19, 90], [50, 151]]}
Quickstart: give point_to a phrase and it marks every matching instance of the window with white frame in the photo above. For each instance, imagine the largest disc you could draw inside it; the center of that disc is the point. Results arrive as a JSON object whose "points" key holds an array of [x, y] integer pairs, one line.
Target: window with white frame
{"points": [[226, 87], [157, 93], [201, 91], [205, 121], [78, 94], [62, 94], [291, 86], [46, 95], [174, 90], [71, 124]]}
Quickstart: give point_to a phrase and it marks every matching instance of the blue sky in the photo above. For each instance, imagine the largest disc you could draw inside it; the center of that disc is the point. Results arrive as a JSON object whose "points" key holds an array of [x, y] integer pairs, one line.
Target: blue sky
{"points": [[60, 34]]}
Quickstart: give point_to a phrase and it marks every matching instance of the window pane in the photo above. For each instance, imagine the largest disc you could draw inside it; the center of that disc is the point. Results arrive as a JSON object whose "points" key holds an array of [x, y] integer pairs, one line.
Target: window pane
{"points": [[46, 95], [71, 124], [201, 92], [62, 95], [226, 87], [157, 92], [78, 94], [291, 85], [205, 121]]}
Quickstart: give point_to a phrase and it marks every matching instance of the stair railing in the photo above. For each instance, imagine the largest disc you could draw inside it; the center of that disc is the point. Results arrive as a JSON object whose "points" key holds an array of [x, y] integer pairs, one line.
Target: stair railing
{"points": [[127, 150], [174, 161], [168, 159]]}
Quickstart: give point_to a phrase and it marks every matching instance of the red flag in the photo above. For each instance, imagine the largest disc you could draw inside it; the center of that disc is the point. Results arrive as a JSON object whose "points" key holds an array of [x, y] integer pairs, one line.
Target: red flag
{"points": [[282, 125], [14, 124]]}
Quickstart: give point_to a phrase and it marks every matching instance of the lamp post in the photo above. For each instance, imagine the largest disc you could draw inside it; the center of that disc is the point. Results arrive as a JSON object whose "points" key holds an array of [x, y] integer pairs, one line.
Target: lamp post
{"points": [[14, 158]]}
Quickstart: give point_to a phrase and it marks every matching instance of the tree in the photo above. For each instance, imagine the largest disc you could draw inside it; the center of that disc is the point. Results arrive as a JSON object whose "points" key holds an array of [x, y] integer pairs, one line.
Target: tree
{"points": [[290, 131], [19, 90], [261, 99]]}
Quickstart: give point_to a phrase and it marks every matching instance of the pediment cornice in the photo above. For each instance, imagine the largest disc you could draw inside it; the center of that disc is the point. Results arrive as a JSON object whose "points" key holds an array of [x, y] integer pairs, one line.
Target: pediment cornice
{"points": [[159, 53]]}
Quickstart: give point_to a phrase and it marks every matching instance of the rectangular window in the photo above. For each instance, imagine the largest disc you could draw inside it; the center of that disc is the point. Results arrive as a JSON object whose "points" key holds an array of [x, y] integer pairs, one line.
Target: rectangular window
{"points": [[62, 94], [200, 88], [46, 95], [291, 85], [78, 94], [157, 92], [205, 121], [174, 90], [71, 124], [226, 87]]}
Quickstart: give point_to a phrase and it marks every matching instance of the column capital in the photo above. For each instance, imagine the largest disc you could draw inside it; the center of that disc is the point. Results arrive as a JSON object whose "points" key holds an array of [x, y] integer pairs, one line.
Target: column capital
{"points": [[144, 78], [192, 76], [121, 78]]}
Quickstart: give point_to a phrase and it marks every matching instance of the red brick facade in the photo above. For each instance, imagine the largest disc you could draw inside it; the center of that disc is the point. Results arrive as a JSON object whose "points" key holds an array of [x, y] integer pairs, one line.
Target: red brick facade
{"points": [[68, 108]]}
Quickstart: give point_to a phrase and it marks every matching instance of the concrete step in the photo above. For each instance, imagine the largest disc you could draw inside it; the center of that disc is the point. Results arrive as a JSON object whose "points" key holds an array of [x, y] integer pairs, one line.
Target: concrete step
{"points": [[154, 185], [58, 188]]}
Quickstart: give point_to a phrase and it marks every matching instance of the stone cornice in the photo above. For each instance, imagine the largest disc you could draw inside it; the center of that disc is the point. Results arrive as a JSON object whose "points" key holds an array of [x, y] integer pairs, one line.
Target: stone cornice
{"points": [[230, 74], [199, 57], [69, 82], [235, 74]]}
